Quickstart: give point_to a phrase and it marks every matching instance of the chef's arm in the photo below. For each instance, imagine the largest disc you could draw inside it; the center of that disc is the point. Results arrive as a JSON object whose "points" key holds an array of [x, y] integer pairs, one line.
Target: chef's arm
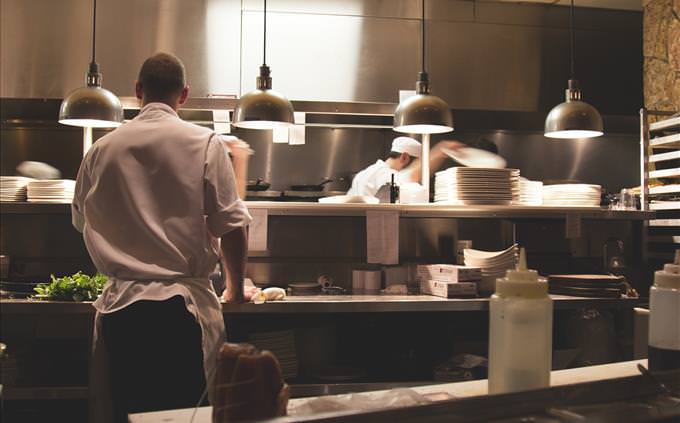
{"points": [[240, 155], [437, 160], [241, 172], [234, 245]]}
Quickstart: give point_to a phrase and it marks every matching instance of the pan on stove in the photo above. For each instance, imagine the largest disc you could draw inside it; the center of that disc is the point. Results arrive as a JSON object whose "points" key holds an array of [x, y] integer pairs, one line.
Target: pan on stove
{"points": [[311, 187], [257, 185]]}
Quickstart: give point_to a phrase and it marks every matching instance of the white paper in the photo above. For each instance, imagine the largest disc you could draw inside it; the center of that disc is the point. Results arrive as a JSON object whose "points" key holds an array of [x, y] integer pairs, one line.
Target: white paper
{"points": [[280, 135], [296, 133], [573, 226], [382, 237], [257, 234], [221, 122]]}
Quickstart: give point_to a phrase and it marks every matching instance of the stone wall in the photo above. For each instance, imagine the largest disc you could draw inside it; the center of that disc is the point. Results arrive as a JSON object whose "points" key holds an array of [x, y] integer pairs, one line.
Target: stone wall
{"points": [[661, 50]]}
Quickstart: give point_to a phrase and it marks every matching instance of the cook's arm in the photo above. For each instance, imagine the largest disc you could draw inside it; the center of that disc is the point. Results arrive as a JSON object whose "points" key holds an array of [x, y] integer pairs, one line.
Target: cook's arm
{"points": [[437, 159], [241, 173], [234, 245], [240, 155]]}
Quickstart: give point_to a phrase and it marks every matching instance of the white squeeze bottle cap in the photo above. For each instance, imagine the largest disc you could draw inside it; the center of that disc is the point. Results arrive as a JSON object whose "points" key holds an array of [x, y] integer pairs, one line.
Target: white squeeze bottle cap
{"points": [[522, 282], [669, 277]]}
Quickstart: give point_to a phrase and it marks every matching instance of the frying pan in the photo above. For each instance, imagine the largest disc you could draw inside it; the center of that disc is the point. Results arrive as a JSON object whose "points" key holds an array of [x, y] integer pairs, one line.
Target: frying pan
{"points": [[311, 187], [257, 185]]}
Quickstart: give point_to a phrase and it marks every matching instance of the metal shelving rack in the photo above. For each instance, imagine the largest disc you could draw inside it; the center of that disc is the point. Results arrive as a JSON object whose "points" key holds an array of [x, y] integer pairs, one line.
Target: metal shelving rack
{"points": [[660, 148]]}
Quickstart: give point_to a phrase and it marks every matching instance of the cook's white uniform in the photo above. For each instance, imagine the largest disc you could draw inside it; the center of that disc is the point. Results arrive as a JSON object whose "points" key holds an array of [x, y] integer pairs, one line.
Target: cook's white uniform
{"points": [[151, 199], [369, 180]]}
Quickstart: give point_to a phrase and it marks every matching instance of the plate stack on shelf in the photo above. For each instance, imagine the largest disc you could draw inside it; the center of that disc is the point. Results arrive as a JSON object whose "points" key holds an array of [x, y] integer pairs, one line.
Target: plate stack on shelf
{"points": [[572, 195], [282, 345], [476, 186], [493, 264], [608, 286], [13, 188], [51, 191], [530, 193]]}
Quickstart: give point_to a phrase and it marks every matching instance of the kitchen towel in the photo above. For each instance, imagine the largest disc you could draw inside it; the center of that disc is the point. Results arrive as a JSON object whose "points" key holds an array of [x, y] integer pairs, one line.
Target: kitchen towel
{"points": [[382, 237], [257, 235]]}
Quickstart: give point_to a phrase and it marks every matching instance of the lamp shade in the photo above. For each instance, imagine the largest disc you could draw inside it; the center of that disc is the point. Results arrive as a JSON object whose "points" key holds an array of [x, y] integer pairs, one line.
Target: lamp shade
{"points": [[263, 109], [423, 114], [573, 119], [91, 106]]}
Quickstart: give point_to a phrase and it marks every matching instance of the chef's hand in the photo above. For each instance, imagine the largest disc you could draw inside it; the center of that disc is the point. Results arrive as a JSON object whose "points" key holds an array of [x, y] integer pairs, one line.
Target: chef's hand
{"points": [[239, 149]]}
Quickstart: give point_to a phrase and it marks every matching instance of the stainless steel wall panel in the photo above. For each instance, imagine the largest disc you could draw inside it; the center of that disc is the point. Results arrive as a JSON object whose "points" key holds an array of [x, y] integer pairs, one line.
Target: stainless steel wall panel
{"points": [[46, 44], [336, 58], [407, 9], [450, 10]]}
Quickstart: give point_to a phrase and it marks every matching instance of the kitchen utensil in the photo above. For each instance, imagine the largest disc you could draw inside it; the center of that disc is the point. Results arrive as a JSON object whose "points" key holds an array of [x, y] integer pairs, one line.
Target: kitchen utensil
{"points": [[474, 157], [257, 185], [311, 187]]}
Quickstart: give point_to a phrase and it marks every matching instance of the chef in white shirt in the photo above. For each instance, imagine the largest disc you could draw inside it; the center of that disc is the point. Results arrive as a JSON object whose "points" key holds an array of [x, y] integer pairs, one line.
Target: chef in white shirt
{"points": [[152, 199], [403, 162]]}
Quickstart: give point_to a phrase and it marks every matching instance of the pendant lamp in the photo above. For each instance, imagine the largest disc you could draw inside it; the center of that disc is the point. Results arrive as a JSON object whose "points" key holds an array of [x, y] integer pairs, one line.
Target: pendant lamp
{"points": [[423, 113], [574, 118], [92, 106], [263, 108]]}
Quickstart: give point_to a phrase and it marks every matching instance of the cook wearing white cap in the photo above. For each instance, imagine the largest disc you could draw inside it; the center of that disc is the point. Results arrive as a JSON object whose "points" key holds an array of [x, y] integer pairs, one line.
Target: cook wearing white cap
{"points": [[403, 162]]}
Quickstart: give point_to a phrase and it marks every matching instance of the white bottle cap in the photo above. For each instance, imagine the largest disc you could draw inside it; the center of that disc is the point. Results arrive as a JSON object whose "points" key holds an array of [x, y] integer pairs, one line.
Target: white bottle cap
{"points": [[522, 282], [669, 277]]}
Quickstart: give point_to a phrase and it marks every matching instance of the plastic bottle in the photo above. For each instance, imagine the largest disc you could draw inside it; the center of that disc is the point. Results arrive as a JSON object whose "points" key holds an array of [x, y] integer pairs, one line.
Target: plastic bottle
{"points": [[664, 318], [520, 332]]}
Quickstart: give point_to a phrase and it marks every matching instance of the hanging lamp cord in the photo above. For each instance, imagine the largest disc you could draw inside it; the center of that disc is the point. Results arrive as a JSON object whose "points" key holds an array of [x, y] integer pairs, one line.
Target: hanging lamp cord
{"points": [[264, 39], [573, 50], [422, 27], [94, 28]]}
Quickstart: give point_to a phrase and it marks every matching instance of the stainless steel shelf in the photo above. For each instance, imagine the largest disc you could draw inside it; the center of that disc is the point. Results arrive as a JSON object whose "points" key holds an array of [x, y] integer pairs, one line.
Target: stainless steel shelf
{"points": [[664, 189], [665, 173], [432, 210], [664, 205], [331, 304], [672, 155], [668, 141], [665, 124], [664, 223]]}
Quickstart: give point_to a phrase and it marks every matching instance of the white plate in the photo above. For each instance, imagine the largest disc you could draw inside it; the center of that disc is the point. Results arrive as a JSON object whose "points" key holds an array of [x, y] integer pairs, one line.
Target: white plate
{"points": [[474, 157]]}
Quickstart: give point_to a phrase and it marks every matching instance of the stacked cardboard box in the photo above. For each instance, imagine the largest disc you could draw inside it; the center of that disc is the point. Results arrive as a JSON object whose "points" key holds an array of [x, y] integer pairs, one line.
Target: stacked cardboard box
{"points": [[449, 280]]}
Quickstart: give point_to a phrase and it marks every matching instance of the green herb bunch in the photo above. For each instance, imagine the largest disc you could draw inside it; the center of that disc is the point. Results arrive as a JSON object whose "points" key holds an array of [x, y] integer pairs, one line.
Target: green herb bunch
{"points": [[79, 287]]}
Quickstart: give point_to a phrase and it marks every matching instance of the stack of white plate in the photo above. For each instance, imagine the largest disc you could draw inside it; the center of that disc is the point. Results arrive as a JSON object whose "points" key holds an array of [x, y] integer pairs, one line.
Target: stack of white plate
{"points": [[51, 191], [282, 345], [13, 188], [476, 186], [530, 192], [493, 264], [572, 195]]}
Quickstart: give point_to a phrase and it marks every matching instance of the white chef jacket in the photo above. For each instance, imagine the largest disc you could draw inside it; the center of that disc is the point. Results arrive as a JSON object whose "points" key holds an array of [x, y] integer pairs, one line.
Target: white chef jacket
{"points": [[151, 198], [369, 180]]}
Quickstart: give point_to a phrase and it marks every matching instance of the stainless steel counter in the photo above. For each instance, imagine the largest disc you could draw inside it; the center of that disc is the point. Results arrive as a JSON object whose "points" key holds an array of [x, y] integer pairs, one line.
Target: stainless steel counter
{"points": [[277, 208], [332, 304]]}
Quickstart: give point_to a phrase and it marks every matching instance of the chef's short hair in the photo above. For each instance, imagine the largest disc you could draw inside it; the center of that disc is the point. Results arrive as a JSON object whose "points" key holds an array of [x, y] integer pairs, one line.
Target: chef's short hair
{"points": [[162, 76], [396, 155]]}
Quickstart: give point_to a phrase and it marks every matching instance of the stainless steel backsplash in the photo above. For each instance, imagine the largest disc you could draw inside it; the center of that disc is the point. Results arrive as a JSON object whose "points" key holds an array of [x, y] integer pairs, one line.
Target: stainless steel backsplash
{"points": [[480, 54]]}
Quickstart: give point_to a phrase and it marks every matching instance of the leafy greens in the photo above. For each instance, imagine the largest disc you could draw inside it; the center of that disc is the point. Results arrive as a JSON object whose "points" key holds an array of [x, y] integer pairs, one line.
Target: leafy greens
{"points": [[79, 287]]}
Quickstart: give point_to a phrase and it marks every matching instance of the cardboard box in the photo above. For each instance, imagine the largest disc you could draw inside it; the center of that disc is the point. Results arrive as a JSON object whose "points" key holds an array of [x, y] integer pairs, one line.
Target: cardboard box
{"points": [[449, 289], [449, 273]]}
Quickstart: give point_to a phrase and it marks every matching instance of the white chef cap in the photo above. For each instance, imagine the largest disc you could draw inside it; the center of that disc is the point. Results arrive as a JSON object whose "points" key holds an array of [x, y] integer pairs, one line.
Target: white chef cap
{"points": [[406, 145]]}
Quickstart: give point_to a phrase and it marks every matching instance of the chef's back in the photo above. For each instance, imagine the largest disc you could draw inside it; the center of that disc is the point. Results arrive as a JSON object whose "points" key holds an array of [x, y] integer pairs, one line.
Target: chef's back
{"points": [[149, 193]]}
